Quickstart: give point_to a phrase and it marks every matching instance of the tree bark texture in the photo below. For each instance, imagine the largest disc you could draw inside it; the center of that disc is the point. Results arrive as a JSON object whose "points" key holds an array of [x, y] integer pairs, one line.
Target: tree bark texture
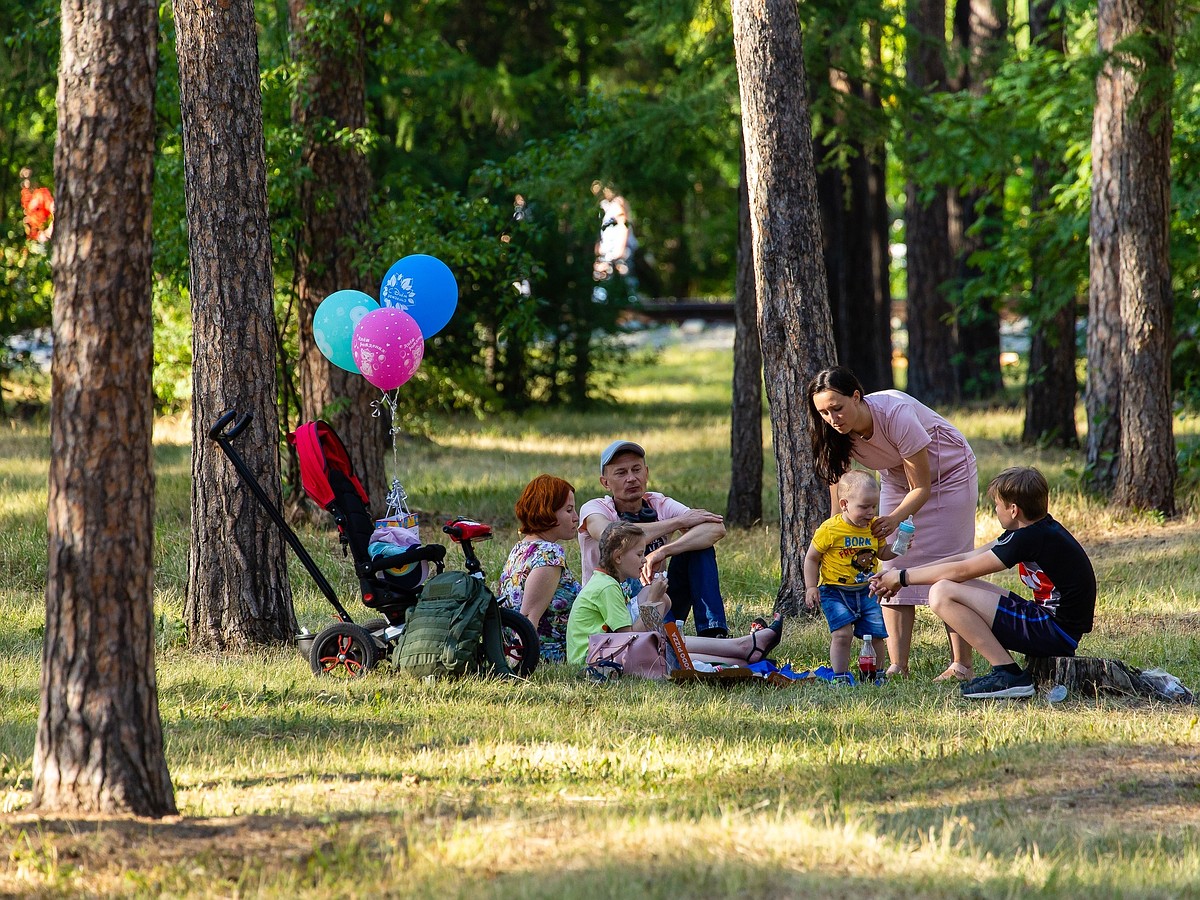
{"points": [[868, 180], [854, 225], [980, 28], [793, 306], [335, 205], [1051, 386], [745, 506], [99, 745], [1147, 467], [1103, 390], [930, 260], [238, 590], [1085, 677]]}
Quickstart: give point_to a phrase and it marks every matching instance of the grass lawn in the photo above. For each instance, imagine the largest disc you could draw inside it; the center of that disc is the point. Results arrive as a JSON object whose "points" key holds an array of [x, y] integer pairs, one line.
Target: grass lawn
{"points": [[293, 786]]}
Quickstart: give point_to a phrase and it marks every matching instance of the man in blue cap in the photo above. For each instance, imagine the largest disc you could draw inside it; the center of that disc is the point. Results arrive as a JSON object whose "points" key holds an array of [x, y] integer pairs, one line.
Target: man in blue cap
{"points": [[689, 560]]}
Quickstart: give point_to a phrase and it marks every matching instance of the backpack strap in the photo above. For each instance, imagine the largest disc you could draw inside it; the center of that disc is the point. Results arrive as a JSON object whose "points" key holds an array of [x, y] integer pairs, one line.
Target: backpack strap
{"points": [[493, 640]]}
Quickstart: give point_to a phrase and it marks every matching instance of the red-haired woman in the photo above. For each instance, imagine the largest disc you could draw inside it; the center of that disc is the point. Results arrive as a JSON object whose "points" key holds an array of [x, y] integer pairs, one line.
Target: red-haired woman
{"points": [[536, 580]]}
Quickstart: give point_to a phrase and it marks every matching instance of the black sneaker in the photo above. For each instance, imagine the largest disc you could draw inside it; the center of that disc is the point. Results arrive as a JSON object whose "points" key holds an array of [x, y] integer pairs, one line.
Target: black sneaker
{"points": [[999, 684]]}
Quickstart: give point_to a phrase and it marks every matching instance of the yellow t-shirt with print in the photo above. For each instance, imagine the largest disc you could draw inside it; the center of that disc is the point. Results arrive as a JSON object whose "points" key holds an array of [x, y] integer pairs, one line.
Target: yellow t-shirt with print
{"points": [[849, 554]]}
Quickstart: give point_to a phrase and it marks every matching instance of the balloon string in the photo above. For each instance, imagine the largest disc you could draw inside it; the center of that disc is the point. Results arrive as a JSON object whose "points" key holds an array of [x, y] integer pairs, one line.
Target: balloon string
{"points": [[397, 497]]}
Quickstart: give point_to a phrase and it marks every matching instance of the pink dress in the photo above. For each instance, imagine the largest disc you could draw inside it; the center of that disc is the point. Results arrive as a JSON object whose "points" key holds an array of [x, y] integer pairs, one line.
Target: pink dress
{"points": [[946, 523]]}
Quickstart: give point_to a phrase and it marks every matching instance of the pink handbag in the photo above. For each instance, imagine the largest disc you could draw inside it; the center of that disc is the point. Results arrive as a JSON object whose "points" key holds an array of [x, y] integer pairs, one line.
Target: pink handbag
{"points": [[641, 653]]}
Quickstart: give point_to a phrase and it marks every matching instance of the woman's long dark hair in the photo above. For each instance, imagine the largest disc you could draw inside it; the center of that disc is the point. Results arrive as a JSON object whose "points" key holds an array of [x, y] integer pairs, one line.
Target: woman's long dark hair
{"points": [[831, 451]]}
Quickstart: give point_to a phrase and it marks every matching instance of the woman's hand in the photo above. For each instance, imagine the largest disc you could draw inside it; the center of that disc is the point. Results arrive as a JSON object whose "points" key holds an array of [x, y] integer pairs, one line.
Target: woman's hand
{"points": [[882, 526]]}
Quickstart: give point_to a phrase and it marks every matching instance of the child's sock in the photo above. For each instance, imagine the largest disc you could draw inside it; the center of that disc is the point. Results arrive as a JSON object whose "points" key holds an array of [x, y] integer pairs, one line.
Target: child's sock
{"points": [[1011, 669]]}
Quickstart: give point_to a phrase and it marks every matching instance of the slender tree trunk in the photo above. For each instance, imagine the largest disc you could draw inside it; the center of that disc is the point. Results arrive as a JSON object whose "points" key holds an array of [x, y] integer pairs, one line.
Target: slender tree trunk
{"points": [[99, 740], [980, 27], [335, 206], [745, 506], [868, 292], [793, 307], [856, 240], [868, 180], [238, 590], [1103, 393], [931, 344], [1146, 472], [1051, 386]]}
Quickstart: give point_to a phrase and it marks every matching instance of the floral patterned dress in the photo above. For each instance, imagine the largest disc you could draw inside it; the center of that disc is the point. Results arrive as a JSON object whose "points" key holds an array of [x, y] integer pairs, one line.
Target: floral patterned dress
{"points": [[526, 556]]}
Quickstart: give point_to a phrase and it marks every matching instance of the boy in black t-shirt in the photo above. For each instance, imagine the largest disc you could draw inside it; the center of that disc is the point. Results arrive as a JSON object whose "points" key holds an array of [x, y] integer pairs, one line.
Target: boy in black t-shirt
{"points": [[995, 621]]}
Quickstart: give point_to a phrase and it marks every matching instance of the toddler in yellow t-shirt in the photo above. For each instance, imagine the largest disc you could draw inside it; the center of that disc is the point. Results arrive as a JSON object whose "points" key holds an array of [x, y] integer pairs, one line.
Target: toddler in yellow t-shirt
{"points": [[839, 564]]}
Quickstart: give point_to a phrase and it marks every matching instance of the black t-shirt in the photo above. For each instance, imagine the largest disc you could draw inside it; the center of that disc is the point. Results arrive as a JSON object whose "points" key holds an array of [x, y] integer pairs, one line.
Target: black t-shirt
{"points": [[1051, 562]]}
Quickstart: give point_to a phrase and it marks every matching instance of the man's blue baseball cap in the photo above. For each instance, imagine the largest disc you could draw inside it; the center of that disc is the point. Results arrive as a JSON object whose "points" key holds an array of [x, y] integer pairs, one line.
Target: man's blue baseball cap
{"points": [[618, 447]]}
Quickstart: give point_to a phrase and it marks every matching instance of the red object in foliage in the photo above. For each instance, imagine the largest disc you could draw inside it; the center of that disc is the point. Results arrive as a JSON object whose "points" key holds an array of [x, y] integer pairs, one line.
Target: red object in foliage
{"points": [[38, 204]]}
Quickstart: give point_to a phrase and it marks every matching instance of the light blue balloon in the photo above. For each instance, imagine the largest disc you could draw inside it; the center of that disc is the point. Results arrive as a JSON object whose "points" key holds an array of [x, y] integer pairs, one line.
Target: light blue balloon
{"points": [[424, 287], [334, 323]]}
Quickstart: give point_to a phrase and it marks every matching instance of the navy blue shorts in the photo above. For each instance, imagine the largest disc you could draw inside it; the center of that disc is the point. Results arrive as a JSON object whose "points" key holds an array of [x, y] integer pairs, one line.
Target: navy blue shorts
{"points": [[1028, 627], [845, 605]]}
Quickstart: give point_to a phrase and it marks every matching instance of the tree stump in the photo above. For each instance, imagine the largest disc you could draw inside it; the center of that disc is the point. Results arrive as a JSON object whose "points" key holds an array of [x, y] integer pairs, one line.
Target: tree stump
{"points": [[1088, 676]]}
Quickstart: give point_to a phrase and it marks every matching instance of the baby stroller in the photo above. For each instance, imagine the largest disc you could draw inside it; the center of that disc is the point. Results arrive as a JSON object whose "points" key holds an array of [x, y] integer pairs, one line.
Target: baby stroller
{"points": [[346, 648]]}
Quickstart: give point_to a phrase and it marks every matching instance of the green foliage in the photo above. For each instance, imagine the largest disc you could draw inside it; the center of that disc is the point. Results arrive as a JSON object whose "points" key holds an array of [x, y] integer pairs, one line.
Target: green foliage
{"points": [[28, 53], [475, 104]]}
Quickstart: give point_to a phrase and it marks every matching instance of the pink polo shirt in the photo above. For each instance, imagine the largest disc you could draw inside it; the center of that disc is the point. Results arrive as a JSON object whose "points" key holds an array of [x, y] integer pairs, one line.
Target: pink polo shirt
{"points": [[589, 547]]}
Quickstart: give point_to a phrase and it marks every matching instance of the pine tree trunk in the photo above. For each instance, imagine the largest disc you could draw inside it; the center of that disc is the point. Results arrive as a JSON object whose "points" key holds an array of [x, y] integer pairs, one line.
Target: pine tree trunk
{"points": [[1103, 392], [334, 239], [872, 287], [793, 307], [238, 590], [855, 244], [745, 506], [980, 27], [1147, 468], [99, 742], [1051, 387], [931, 346]]}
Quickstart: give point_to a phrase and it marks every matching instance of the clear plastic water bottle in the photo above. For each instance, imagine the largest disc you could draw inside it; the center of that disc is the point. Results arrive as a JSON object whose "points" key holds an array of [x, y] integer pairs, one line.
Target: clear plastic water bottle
{"points": [[904, 535], [867, 661]]}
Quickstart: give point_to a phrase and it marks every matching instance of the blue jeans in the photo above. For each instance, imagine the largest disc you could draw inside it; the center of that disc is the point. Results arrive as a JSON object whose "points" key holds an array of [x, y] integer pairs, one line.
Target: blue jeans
{"points": [[843, 605], [693, 584]]}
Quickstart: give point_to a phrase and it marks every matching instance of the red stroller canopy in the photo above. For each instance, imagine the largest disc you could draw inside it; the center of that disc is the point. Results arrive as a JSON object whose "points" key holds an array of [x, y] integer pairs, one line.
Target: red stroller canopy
{"points": [[321, 451]]}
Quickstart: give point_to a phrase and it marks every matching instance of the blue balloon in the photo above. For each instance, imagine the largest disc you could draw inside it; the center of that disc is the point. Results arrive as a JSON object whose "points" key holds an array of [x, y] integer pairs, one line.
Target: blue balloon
{"points": [[424, 287], [334, 323]]}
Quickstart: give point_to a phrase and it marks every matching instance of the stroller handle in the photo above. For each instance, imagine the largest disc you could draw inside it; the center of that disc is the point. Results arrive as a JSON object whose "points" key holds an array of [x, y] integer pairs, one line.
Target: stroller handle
{"points": [[228, 416]]}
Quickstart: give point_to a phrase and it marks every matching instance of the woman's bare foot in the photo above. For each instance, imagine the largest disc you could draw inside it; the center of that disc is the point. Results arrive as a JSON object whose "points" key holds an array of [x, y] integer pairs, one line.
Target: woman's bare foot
{"points": [[956, 671]]}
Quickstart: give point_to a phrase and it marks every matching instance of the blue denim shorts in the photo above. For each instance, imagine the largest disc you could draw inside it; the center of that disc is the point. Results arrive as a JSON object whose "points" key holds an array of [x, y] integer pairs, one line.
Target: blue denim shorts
{"points": [[1027, 627], [845, 605]]}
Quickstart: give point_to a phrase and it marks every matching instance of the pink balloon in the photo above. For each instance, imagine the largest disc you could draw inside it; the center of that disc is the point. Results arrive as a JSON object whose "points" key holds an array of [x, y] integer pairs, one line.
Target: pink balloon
{"points": [[388, 347]]}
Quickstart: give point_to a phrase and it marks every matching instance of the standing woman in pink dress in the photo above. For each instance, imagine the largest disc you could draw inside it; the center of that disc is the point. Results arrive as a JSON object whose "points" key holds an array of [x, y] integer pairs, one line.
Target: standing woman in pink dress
{"points": [[927, 471]]}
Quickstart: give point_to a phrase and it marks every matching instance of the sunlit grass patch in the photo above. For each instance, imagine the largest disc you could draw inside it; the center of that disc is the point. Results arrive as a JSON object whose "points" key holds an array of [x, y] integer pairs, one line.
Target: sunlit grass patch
{"points": [[292, 786]]}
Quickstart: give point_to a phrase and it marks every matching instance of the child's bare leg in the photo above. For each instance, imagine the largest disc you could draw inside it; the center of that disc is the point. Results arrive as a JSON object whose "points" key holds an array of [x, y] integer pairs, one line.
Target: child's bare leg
{"points": [[969, 609], [899, 622], [839, 648]]}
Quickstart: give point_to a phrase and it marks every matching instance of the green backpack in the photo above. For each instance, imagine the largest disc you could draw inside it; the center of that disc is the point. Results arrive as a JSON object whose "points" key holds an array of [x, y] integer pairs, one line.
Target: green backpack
{"points": [[453, 629]]}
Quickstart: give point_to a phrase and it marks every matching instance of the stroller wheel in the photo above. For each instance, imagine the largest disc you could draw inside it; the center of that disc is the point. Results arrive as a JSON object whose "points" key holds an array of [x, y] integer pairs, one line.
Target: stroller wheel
{"points": [[521, 644], [343, 650]]}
